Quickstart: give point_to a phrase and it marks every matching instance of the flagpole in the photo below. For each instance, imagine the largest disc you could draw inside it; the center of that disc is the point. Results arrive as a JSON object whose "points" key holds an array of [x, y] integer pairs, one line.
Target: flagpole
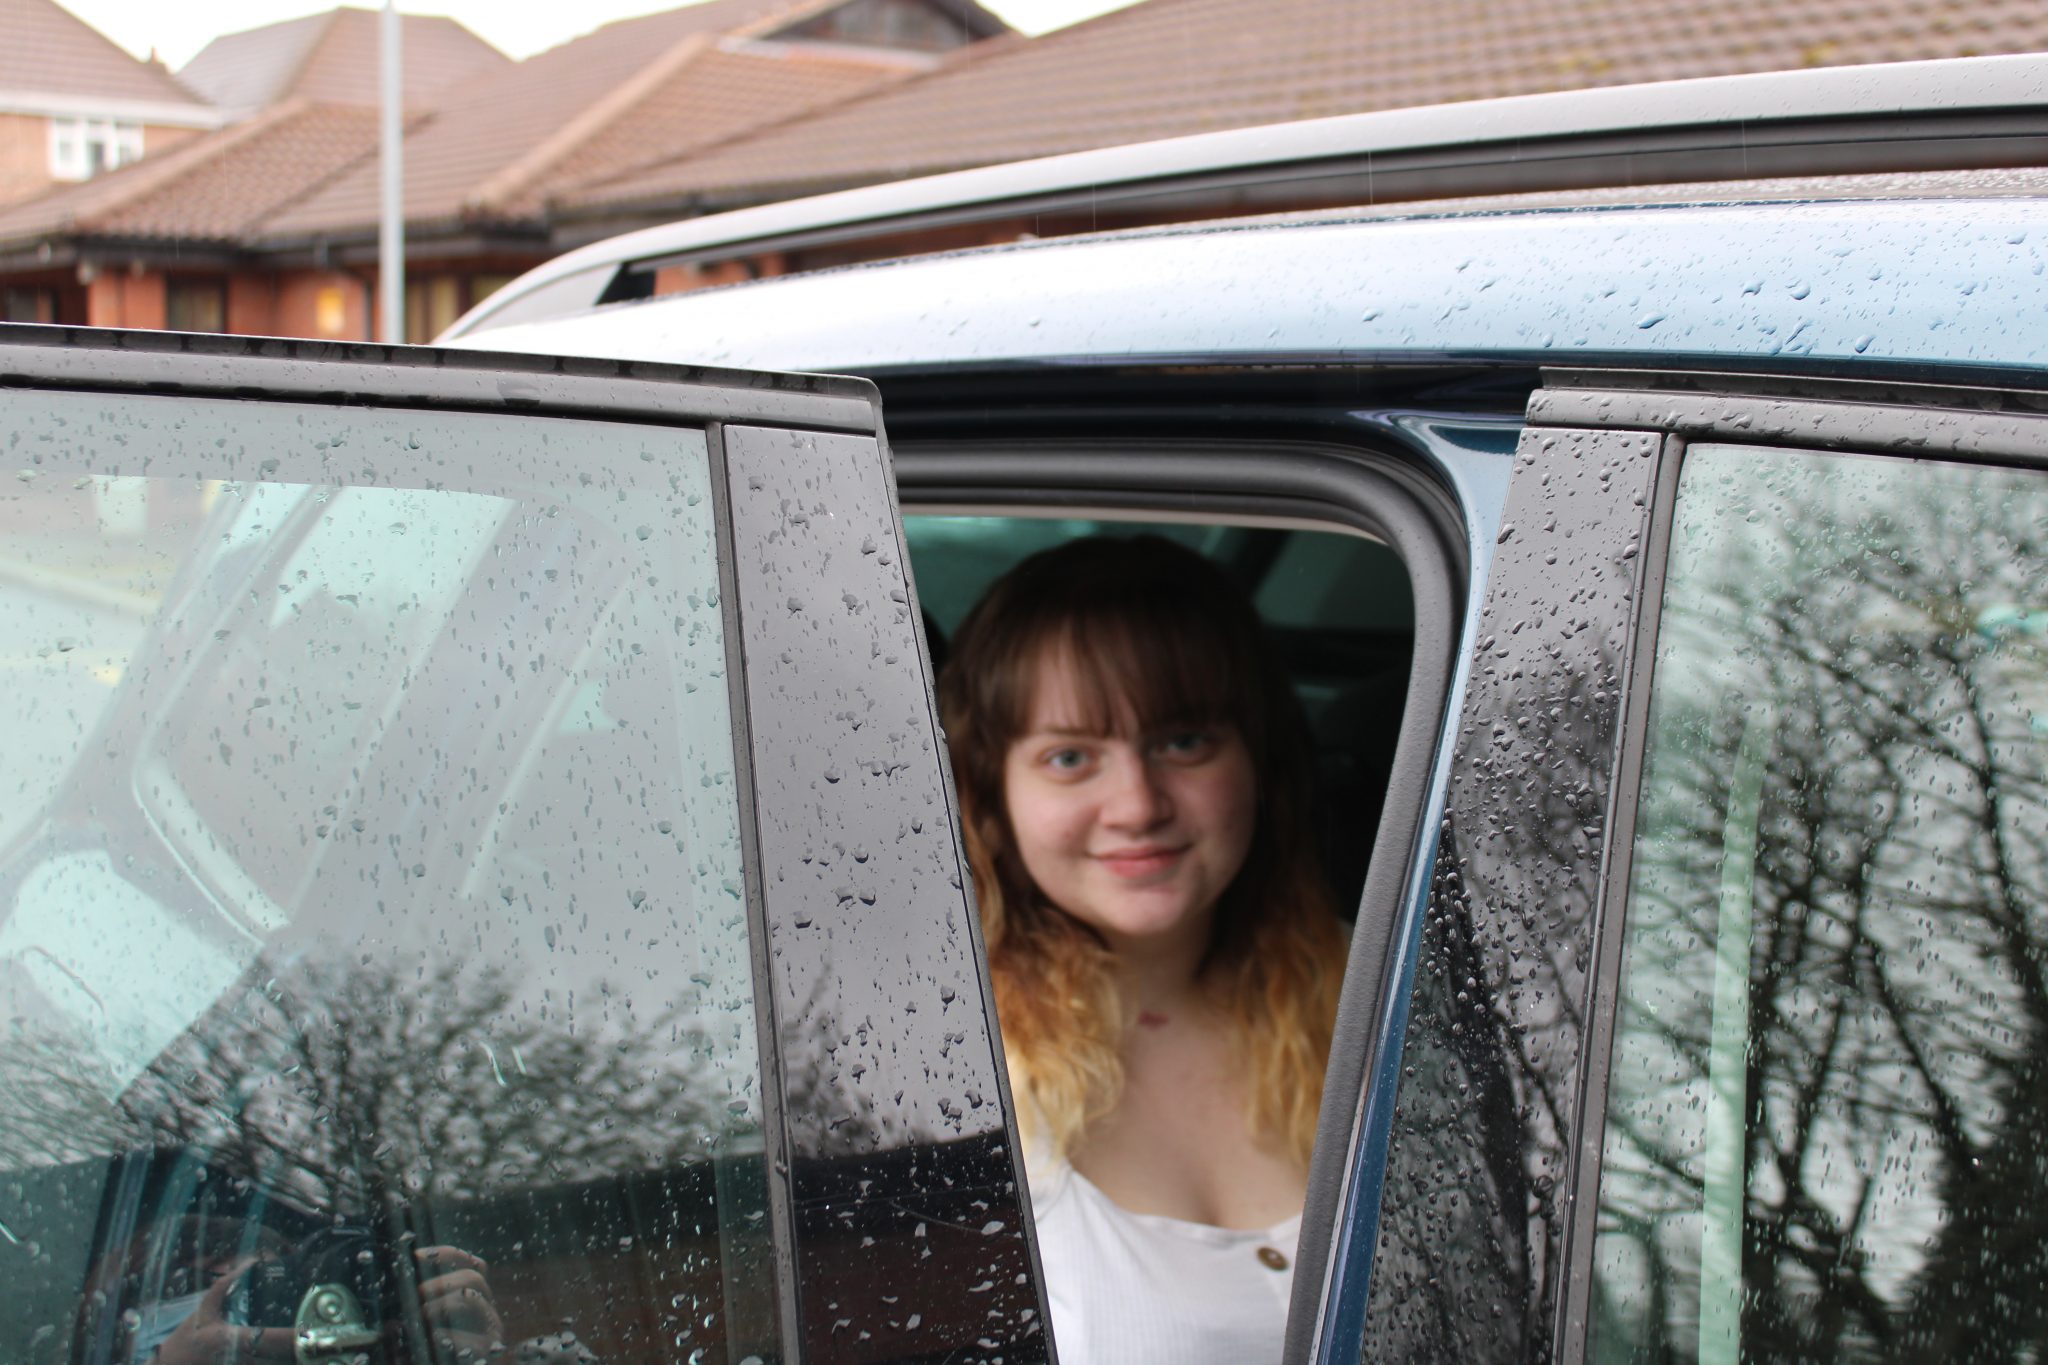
{"points": [[391, 228]]}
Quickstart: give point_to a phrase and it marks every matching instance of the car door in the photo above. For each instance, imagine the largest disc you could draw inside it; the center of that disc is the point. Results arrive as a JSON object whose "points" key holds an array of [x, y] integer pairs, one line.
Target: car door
{"points": [[1725, 1007], [479, 867]]}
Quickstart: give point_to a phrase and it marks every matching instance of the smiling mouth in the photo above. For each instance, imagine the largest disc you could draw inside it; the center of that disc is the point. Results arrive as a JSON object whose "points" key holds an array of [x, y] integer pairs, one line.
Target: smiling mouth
{"points": [[1139, 862]]}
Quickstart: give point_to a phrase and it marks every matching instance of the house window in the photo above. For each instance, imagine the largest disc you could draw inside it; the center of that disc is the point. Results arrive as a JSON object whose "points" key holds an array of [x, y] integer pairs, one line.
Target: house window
{"points": [[433, 302], [80, 148], [330, 311], [196, 304], [28, 305]]}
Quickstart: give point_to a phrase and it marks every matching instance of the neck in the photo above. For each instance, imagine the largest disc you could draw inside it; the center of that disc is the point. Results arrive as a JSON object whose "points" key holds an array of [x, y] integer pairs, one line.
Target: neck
{"points": [[1162, 977]]}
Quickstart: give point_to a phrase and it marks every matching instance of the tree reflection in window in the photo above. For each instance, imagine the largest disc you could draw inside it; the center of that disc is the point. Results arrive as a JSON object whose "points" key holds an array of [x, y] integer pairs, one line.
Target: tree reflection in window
{"points": [[1827, 1131]]}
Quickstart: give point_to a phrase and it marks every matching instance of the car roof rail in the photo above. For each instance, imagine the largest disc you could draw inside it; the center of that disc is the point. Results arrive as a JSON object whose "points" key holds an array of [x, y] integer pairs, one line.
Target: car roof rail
{"points": [[1957, 113]]}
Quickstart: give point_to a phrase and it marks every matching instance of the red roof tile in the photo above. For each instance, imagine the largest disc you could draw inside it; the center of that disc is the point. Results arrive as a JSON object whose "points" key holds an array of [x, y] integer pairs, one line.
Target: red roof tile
{"points": [[217, 187], [333, 58], [493, 121], [1169, 67], [720, 92], [50, 51]]}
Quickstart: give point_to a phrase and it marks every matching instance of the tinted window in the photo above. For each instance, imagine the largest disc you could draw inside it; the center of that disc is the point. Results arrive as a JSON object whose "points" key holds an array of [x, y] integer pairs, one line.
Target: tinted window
{"points": [[372, 881], [1827, 1134]]}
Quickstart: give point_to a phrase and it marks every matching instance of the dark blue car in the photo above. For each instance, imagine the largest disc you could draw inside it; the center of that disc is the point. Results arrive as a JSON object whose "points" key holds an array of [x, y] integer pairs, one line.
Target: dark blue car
{"points": [[488, 802]]}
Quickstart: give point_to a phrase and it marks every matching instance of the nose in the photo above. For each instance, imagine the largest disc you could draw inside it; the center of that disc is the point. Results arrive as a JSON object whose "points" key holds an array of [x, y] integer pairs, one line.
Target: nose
{"points": [[1134, 797]]}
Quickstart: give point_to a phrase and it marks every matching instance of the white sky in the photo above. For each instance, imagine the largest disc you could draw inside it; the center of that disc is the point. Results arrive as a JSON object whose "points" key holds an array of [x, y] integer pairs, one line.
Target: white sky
{"points": [[177, 29]]}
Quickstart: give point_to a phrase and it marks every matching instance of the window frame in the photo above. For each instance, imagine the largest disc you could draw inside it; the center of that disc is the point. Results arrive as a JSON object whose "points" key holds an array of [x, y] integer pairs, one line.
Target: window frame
{"points": [[1318, 484], [71, 137], [182, 292], [1981, 425]]}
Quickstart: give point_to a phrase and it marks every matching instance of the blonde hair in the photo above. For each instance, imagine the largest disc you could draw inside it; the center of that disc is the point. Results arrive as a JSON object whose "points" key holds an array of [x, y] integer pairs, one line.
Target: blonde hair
{"points": [[1156, 635]]}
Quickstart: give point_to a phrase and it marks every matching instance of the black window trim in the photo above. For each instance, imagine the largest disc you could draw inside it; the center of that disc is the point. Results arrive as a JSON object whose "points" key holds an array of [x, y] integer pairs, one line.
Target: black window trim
{"points": [[817, 1185], [1975, 425], [767, 1038], [1300, 482], [355, 374]]}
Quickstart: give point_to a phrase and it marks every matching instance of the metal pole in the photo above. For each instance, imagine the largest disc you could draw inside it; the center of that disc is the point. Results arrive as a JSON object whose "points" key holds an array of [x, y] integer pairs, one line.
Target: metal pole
{"points": [[391, 230]]}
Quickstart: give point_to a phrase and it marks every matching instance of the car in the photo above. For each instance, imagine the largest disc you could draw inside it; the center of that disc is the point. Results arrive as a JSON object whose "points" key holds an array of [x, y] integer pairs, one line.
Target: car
{"points": [[490, 797]]}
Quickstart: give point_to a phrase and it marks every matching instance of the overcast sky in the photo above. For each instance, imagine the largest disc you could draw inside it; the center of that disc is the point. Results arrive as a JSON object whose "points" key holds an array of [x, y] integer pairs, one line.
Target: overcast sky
{"points": [[177, 29]]}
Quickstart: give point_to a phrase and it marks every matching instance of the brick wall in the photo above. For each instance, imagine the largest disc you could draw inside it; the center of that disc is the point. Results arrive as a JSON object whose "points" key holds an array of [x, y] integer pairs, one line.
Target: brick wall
{"points": [[24, 157], [119, 298], [252, 305], [320, 303]]}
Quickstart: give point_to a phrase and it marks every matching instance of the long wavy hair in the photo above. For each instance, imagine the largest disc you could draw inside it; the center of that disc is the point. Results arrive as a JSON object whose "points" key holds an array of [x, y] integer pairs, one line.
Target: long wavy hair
{"points": [[1160, 638]]}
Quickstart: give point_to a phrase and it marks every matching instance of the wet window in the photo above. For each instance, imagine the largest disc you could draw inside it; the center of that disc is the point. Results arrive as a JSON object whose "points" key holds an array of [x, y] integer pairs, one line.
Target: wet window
{"points": [[373, 955], [1827, 1132]]}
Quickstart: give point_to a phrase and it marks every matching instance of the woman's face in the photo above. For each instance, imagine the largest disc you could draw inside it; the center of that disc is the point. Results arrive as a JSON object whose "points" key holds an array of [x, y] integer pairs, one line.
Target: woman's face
{"points": [[1134, 834]]}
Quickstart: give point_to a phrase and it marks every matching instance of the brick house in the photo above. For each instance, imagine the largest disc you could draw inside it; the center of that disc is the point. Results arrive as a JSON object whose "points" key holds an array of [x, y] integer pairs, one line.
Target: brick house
{"points": [[269, 225], [72, 105]]}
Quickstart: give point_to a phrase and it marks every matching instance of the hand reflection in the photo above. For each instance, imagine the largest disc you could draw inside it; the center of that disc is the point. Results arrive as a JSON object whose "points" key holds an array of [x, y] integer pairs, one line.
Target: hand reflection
{"points": [[456, 1304], [208, 1338]]}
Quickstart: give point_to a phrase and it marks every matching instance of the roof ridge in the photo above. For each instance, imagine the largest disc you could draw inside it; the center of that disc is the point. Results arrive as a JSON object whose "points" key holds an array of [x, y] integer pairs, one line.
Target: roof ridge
{"points": [[141, 184], [883, 85], [782, 16], [521, 174], [254, 227], [974, 53], [120, 189], [305, 61], [828, 53], [154, 69]]}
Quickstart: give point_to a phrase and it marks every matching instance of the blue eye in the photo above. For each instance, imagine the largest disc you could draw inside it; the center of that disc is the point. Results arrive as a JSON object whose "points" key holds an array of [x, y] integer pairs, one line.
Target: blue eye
{"points": [[1065, 760], [1188, 744]]}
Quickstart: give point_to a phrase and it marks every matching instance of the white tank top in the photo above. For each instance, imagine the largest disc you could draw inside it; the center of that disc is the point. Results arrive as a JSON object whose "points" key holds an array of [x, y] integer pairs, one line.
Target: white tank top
{"points": [[1141, 1289]]}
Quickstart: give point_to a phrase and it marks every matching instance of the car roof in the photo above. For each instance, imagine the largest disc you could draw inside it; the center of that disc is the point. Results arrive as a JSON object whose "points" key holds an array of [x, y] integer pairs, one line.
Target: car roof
{"points": [[1789, 123], [1921, 281]]}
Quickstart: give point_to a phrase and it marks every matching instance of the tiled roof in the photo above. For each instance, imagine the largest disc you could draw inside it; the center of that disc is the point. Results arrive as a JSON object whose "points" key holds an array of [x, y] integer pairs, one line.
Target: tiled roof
{"points": [[491, 141], [333, 58], [46, 50], [721, 91], [1168, 67], [217, 187]]}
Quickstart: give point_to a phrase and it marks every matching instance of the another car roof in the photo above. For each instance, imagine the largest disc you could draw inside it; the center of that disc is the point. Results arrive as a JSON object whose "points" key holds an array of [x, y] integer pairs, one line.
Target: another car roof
{"points": [[1920, 280], [1895, 116]]}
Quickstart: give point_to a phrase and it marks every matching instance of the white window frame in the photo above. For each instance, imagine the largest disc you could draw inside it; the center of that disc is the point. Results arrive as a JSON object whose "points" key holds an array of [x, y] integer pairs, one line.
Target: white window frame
{"points": [[71, 137]]}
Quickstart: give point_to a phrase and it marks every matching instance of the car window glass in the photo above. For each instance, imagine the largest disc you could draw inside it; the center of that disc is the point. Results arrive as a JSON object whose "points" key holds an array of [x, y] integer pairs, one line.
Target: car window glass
{"points": [[371, 883], [1827, 1131], [303, 692]]}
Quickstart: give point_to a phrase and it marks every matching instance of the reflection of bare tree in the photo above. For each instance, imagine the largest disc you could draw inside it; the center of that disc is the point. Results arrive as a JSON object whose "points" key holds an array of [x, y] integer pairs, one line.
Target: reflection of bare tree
{"points": [[329, 1077], [598, 1153], [1894, 1156]]}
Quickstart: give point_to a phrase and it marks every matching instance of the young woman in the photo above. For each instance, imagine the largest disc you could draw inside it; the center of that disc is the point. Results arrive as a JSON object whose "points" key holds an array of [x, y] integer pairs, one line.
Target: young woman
{"points": [[1133, 772]]}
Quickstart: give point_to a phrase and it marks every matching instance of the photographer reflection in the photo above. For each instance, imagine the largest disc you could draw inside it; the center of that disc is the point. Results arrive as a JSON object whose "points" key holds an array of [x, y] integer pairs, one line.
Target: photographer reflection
{"points": [[218, 1290]]}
